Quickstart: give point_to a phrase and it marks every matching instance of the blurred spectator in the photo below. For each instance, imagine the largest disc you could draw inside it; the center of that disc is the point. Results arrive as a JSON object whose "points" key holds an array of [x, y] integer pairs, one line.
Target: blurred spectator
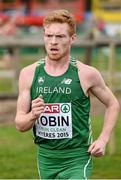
{"points": [[100, 27], [7, 28]]}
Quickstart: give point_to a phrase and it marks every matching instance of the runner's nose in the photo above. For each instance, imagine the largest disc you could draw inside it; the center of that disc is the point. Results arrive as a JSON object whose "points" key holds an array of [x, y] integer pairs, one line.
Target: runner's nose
{"points": [[54, 40]]}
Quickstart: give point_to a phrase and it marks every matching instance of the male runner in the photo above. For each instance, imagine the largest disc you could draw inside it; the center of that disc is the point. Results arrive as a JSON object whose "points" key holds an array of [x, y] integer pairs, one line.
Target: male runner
{"points": [[54, 100]]}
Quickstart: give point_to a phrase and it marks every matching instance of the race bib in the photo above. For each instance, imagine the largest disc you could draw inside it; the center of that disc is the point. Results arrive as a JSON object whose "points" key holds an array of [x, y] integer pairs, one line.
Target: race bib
{"points": [[55, 122]]}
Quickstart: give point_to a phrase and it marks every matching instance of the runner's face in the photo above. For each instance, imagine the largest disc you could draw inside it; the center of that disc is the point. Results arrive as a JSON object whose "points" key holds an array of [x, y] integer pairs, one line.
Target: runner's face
{"points": [[57, 40]]}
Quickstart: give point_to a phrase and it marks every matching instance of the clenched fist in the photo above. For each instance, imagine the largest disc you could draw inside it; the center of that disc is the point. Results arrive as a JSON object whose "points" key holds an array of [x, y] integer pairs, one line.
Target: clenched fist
{"points": [[37, 106]]}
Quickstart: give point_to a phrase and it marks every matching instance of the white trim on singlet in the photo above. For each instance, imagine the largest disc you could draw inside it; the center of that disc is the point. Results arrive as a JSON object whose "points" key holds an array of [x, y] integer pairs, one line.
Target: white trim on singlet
{"points": [[90, 139], [38, 167], [85, 167], [41, 61]]}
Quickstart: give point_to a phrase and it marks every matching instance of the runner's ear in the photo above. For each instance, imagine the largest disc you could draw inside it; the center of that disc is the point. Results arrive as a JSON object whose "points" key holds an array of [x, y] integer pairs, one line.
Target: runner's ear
{"points": [[73, 37]]}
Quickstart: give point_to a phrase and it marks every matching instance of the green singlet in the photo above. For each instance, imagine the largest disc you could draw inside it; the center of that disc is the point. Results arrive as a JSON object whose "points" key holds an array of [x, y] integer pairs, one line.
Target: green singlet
{"points": [[63, 130]]}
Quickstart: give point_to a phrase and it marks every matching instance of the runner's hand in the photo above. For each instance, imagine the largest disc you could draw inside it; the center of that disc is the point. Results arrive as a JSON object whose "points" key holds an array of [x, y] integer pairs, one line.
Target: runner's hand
{"points": [[97, 148], [38, 106]]}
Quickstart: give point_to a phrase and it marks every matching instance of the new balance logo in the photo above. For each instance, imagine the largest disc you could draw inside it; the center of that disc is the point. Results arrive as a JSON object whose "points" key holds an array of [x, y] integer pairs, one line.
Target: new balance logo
{"points": [[66, 81]]}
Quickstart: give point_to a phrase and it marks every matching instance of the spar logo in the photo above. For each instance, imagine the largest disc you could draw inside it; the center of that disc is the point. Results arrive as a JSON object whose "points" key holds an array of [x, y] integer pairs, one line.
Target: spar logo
{"points": [[56, 108]]}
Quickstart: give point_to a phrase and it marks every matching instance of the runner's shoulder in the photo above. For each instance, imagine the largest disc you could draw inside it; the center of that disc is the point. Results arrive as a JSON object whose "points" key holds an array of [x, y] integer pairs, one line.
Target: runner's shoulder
{"points": [[87, 70], [27, 73], [28, 70]]}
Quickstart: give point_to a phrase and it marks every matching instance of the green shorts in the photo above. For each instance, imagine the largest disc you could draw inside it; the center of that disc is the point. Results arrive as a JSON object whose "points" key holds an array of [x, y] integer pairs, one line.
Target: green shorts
{"points": [[57, 164]]}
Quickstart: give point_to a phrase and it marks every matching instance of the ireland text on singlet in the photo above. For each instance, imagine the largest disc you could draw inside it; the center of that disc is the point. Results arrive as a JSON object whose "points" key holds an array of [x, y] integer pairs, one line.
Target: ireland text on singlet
{"points": [[65, 122]]}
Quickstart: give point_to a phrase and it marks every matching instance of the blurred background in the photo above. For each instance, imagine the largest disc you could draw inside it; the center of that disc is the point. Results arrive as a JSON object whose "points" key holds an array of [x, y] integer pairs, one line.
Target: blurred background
{"points": [[21, 43]]}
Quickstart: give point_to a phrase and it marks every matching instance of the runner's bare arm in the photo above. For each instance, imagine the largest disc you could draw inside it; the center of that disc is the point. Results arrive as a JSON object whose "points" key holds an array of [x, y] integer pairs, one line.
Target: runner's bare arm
{"points": [[92, 82], [27, 111], [104, 94]]}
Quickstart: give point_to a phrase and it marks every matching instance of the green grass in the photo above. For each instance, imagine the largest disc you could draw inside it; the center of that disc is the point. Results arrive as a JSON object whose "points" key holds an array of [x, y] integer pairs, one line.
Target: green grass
{"points": [[6, 85], [109, 166], [18, 154]]}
